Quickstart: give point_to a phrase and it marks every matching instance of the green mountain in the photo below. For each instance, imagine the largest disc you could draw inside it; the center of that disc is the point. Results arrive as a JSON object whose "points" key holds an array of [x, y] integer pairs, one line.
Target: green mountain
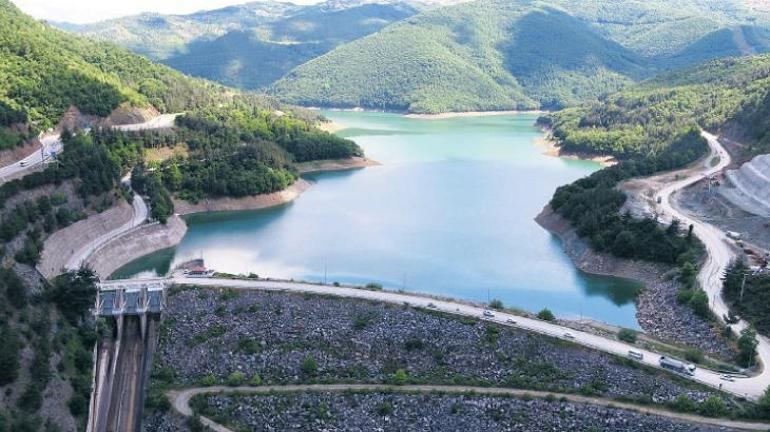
{"points": [[730, 96], [44, 71], [498, 54], [252, 45]]}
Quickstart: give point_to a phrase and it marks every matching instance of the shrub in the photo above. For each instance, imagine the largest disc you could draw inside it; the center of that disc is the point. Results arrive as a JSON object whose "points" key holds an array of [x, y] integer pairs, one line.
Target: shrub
{"points": [[684, 403], [400, 377], [235, 379], [255, 380], [374, 286], [208, 380], [195, 425], [309, 366], [627, 335], [157, 400], [693, 355], [763, 405], [713, 407], [546, 315], [413, 344], [384, 408], [496, 304]]}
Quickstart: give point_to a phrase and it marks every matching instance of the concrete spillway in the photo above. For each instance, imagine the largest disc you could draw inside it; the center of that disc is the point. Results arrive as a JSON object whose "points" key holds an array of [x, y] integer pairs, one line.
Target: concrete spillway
{"points": [[123, 365], [749, 186]]}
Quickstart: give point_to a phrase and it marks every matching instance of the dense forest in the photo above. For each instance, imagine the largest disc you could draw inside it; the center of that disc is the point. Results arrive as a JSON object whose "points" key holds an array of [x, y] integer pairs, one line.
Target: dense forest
{"points": [[44, 71], [498, 54], [236, 149], [728, 95], [652, 127], [248, 46]]}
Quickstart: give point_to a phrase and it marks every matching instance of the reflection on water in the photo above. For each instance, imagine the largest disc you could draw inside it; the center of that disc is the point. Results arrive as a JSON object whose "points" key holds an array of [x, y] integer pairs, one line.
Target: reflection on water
{"points": [[451, 211]]}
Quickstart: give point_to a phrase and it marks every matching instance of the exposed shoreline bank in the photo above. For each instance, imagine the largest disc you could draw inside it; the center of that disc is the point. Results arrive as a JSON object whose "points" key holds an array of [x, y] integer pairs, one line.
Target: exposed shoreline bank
{"points": [[425, 116], [329, 165], [657, 310], [469, 114], [551, 148]]}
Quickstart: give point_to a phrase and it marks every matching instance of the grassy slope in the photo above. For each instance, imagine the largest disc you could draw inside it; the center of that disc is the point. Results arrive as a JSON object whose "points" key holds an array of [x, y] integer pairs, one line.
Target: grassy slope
{"points": [[513, 55]]}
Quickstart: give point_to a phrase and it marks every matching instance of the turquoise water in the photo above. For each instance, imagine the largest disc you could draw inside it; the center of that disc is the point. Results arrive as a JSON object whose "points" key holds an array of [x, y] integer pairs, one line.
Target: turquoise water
{"points": [[450, 212]]}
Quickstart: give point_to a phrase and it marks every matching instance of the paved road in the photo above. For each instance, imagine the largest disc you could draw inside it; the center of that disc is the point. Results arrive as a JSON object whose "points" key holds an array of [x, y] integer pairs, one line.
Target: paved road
{"points": [[180, 400], [52, 143], [719, 255], [612, 346], [140, 214]]}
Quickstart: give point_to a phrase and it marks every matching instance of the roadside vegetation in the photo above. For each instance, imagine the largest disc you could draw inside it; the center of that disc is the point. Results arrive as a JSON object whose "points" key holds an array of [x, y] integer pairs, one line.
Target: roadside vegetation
{"points": [[654, 127], [749, 295]]}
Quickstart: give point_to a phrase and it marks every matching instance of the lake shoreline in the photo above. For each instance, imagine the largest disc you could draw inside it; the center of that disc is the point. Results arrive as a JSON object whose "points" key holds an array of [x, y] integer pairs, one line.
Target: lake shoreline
{"points": [[657, 311], [285, 196], [471, 114], [434, 116], [551, 148]]}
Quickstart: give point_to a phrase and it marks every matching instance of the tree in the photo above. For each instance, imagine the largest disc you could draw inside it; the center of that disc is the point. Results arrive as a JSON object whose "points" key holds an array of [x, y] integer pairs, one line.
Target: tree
{"points": [[15, 290], [763, 404], [747, 346], [699, 302], [9, 355], [496, 304], [546, 315], [75, 292]]}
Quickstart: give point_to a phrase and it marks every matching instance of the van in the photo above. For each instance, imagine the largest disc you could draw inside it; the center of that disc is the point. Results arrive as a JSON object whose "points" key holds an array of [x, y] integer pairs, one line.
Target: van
{"points": [[636, 355]]}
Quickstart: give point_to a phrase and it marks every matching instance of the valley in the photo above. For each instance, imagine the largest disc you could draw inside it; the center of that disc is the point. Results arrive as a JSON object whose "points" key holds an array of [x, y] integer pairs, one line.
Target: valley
{"points": [[386, 215]]}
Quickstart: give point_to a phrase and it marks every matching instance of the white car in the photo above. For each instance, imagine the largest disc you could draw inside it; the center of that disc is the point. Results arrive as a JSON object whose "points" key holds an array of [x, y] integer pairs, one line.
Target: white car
{"points": [[510, 321], [488, 313], [636, 355], [23, 164], [569, 335], [431, 305], [727, 378]]}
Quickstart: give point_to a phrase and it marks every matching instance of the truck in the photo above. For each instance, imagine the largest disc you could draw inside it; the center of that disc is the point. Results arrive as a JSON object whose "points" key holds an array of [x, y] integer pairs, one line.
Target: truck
{"points": [[676, 366]]}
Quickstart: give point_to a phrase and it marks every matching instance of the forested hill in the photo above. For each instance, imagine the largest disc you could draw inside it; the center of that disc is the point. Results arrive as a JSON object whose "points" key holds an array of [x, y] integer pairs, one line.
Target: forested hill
{"points": [[44, 71], [651, 127], [499, 54], [249, 46], [729, 96]]}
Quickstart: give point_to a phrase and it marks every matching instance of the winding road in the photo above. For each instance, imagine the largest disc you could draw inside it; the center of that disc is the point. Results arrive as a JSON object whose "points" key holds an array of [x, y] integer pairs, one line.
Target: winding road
{"points": [[52, 144], [719, 254], [140, 214], [180, 399]]}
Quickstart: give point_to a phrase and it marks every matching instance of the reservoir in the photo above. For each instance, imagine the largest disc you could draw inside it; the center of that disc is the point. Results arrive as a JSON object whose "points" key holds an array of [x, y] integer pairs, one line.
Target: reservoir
{"points": [[450, 211]]}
